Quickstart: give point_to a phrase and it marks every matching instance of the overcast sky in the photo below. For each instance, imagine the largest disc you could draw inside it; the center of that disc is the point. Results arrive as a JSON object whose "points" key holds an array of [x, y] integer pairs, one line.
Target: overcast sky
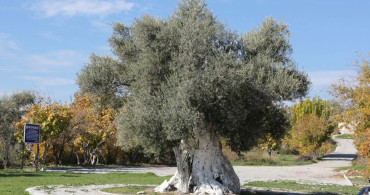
{"points": [[43, 44]]}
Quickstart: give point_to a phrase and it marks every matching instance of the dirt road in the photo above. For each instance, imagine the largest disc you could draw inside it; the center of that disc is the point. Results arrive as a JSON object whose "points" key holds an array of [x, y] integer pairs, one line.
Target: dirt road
{"points": [[319, 173]]}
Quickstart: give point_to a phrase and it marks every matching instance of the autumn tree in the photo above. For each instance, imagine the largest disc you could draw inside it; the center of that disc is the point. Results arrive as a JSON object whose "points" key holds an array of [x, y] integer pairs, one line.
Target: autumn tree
{"points": [[311, 125], [11, 110], [354, 96], [92, 127], [309, 133], [54, 119], [315, 106], [189, 80]]}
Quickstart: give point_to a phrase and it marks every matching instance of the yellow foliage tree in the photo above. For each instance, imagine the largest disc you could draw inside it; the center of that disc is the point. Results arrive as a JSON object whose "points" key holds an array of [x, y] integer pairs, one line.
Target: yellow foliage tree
{"points": [[311, 123], [92, 127], [355, 98], [54, 119], [316, 106], [309, 133]]}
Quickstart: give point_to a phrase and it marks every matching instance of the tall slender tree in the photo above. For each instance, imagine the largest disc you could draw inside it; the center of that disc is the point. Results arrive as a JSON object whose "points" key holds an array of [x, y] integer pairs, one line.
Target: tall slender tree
{"points": [[189, 80], [315, 106]]}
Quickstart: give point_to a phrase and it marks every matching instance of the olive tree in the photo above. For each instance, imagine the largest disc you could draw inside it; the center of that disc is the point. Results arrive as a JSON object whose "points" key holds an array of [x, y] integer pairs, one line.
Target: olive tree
{"points": [[11, 110], [188, 80]]}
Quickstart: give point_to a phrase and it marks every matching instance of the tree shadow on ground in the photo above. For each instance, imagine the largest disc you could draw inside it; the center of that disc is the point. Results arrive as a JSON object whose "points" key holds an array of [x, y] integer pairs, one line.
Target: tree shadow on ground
{"points": [[21, 175], [339, 156], [74, 175], [33, 174]]}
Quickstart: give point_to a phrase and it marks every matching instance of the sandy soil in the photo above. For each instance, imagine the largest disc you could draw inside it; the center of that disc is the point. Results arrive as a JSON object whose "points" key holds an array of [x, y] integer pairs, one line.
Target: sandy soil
{"points": [[320, 173]]}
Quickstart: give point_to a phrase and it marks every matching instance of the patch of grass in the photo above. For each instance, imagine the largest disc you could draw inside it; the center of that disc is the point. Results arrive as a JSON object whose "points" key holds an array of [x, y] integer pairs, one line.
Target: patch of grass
{"points": [[276, 160], [344, 136], [355, 167], [127, 189], [14, 182], [307, 188], [255, 162], [359, 181]]}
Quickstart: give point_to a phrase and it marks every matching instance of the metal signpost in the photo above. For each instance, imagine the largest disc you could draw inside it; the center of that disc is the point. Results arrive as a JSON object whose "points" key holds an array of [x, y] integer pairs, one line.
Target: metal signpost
{"points": [[31, 135]]}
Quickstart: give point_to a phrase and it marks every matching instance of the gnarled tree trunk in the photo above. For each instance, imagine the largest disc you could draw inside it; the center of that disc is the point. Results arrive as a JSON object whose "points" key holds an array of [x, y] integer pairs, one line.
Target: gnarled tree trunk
{"points": [[202, 169]]}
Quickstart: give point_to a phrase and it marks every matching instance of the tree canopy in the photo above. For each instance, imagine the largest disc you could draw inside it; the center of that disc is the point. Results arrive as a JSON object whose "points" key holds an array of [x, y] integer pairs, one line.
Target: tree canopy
{"points": [[190, 72]]}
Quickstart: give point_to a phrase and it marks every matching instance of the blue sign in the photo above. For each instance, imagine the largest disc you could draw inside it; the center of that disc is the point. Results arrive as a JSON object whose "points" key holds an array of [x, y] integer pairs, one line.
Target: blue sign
{"points": [[31, 133]]}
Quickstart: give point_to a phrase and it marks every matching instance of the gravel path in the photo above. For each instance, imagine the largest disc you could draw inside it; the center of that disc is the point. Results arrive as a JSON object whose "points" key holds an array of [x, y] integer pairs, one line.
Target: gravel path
{"points": [[319, 173]]}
